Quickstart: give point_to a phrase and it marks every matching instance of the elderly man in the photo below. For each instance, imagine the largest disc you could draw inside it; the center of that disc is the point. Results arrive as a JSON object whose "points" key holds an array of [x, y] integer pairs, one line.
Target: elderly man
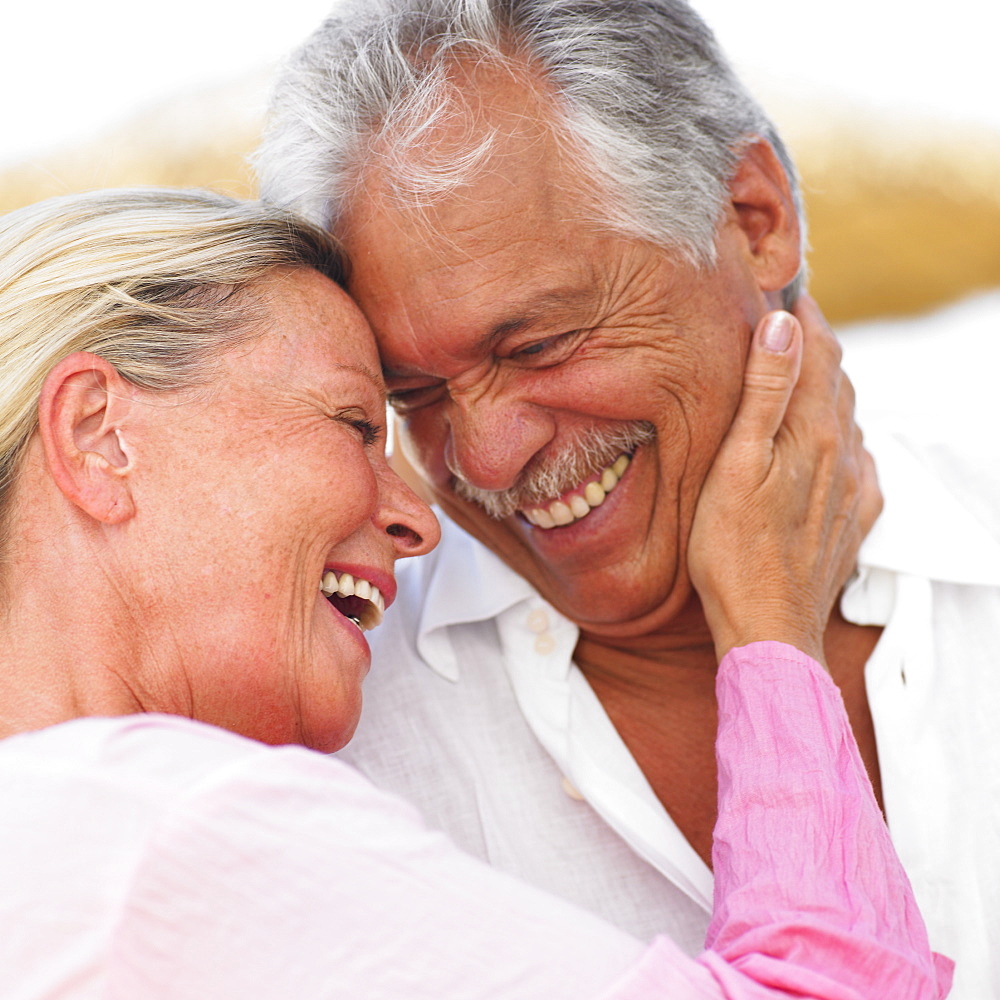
{"points": [[564, 219]]}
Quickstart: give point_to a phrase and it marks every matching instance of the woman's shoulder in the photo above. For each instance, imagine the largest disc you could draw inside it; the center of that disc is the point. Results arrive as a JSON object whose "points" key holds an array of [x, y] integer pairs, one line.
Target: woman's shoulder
{"points": [[153, 764], [152, 750], [141, 825]]}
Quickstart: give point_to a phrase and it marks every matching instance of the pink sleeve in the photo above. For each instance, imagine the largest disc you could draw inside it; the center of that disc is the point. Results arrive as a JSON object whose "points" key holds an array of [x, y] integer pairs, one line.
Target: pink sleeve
{"points": [[810, 897], [288, 875]]}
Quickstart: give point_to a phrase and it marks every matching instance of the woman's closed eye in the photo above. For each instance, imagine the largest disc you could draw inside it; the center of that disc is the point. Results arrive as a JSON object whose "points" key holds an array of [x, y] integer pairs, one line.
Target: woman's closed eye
{"points": [[369, 431]]}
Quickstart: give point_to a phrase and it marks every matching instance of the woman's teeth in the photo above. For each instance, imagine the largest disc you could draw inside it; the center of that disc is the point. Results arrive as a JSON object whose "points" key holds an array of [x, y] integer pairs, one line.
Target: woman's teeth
{"points": [[355, 598], [562, 512]]}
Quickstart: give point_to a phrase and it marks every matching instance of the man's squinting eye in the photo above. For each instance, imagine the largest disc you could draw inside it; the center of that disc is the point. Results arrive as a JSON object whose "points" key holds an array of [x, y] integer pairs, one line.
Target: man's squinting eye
{"points": [[407, 399], [548, 351]]}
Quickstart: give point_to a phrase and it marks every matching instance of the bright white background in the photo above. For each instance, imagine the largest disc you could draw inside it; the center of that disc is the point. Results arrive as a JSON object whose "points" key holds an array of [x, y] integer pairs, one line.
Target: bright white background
{"points": [[69, 69]]}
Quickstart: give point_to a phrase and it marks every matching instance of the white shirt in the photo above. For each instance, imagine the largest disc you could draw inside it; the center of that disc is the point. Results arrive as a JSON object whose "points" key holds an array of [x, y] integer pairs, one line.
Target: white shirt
{"points": [[475, 711]]}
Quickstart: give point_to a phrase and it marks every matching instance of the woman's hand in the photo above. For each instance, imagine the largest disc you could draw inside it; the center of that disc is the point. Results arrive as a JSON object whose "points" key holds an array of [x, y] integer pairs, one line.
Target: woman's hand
{"points": [[791, 494]]}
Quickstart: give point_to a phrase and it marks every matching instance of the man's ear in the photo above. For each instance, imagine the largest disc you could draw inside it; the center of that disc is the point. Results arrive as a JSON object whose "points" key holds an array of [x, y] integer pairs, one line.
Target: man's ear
{"points": [[765, 212], [81, 411]]}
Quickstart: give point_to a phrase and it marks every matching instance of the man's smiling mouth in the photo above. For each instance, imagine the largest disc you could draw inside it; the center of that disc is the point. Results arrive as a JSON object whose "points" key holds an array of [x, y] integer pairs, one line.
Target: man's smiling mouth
{"points": [[579, 502], [566, 484], [355, 598]]}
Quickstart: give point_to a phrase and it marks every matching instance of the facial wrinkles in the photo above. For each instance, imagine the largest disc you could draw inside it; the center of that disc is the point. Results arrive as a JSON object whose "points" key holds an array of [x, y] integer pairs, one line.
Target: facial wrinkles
{"points": [[546, 478]]}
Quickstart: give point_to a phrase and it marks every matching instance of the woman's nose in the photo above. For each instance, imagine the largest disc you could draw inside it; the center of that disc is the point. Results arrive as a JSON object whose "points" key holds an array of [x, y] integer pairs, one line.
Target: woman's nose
{"points": [[403, 516]]}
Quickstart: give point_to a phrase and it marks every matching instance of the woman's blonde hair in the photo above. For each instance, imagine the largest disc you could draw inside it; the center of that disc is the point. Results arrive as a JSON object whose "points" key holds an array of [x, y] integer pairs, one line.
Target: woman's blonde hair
{"points": [[152, 280]]}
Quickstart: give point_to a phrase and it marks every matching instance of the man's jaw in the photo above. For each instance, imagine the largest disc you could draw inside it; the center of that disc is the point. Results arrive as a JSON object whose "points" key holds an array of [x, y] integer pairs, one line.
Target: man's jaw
{"points": [[563, 488]]}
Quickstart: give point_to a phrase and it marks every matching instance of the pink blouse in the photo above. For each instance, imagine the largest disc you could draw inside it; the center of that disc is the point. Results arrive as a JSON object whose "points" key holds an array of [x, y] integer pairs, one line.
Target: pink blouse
{"points": [[155, 857]]}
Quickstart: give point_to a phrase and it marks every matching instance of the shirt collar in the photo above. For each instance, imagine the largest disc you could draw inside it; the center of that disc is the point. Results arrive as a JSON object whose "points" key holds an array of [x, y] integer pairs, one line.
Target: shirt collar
{"points": [[924, 530], [468, 583]]}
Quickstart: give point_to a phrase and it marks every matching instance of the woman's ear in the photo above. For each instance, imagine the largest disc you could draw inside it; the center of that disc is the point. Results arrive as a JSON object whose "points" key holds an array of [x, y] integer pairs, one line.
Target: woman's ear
{"points": [[82, 411], [761, 198]]}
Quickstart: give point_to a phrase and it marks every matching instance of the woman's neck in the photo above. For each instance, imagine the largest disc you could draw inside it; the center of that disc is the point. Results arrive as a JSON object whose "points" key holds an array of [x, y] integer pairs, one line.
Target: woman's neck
{"points": [[62, 656]]}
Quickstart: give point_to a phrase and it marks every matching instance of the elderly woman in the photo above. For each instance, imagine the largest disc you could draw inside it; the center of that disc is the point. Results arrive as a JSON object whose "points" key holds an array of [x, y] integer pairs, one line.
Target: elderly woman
{"points": [[199, 525]]}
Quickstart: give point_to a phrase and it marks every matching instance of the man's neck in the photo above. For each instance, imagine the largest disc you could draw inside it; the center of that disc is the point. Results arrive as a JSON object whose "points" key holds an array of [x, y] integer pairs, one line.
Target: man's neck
{"points": [[659, 692], [684, 643]]}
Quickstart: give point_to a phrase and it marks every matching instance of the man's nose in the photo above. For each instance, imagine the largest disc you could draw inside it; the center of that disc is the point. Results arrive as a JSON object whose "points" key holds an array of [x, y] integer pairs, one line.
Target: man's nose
{"points": [[492, 437]]}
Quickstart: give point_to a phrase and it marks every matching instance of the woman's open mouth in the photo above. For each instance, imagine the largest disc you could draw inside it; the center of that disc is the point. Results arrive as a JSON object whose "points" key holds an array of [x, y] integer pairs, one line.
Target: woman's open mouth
{"points": [[355, 598]]}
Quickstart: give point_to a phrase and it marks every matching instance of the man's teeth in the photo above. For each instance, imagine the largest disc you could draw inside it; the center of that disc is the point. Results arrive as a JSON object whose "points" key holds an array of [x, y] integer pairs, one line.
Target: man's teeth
{"points": [[562, 512], [366, 608]]}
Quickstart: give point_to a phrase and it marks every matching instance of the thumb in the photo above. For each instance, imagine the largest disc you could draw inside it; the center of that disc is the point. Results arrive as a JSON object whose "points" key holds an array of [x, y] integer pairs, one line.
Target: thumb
{"points": [[769, 379]]}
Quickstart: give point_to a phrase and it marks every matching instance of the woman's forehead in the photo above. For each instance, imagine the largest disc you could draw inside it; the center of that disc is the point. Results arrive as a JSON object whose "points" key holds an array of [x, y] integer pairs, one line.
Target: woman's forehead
{"points": [[317, 324]]}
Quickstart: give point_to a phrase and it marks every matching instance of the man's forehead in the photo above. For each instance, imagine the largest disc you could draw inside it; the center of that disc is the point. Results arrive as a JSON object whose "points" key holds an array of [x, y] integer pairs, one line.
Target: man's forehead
{"points": [[491, 266], [511, 248]]}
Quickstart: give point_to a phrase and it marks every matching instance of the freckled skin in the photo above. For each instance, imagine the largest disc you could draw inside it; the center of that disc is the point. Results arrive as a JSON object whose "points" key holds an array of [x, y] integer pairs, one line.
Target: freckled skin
{"points": [[194, 527], [259, 480]]}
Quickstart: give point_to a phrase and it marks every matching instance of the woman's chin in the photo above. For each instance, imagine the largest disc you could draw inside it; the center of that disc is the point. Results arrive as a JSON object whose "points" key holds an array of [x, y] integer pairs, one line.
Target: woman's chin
{"points": [[330, 700], [329, 732]]}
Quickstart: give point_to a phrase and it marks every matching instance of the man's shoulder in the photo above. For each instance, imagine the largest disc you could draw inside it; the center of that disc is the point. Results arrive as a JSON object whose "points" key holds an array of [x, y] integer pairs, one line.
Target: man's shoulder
{"points": [[929, 382], [941, 513]]}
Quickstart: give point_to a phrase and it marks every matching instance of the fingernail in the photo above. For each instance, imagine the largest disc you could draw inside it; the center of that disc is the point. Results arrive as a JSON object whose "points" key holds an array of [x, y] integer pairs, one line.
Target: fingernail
{"points": [[777, 332]]}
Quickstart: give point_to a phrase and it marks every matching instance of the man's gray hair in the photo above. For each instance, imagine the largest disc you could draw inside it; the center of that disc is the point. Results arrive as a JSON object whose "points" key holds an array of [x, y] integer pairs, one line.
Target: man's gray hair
{"points": [[654, 108]]}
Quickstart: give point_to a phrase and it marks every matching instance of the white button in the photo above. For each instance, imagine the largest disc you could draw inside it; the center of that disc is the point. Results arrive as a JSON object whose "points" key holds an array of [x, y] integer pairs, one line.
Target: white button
{"points": [[538, 620], [544, 644], [570, 789]]}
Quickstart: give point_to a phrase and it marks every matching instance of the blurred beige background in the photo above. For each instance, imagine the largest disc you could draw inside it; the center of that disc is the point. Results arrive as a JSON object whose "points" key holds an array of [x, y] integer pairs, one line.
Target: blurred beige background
{"points": [[901, 219]]}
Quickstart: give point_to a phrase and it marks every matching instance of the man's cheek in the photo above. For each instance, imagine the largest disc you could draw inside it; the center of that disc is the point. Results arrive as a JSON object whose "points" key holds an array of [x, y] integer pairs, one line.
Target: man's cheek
{"points": [[423, 437]]}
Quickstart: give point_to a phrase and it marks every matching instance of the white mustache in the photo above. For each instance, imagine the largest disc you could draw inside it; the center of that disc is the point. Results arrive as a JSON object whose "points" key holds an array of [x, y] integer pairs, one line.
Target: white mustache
{"points": [[544, 479]]}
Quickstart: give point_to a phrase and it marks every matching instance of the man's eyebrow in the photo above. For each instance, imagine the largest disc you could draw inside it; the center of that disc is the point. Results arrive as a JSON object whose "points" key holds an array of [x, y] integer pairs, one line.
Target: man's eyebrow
{"points": [[532, 311]]}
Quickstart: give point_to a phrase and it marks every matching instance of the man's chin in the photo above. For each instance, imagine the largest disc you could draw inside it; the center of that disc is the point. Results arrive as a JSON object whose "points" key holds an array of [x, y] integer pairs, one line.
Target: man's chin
{"points": [[595, 593], [641, 614]]}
